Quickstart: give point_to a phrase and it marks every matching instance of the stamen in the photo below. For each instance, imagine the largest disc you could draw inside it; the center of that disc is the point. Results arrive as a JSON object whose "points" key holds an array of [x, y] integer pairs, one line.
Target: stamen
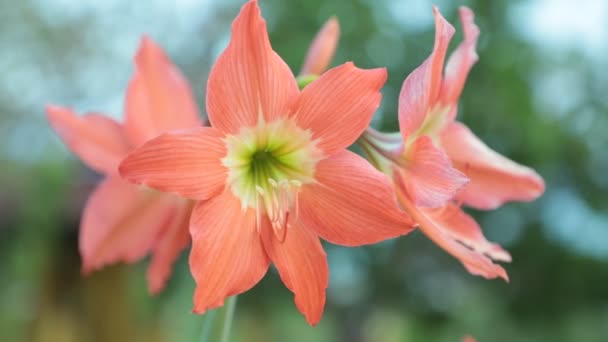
{"points": [[467, 168], [258, 213], [279, 200], [259, 190]]}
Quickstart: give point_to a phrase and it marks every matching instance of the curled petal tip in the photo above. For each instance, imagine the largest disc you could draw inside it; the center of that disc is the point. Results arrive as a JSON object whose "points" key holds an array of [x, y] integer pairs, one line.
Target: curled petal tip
{"points": [[198, 311], [145, 40], [56, 112], [471, 30], [466, 12], [51, 108], [539, 183], [467, 18], [146, 46]]}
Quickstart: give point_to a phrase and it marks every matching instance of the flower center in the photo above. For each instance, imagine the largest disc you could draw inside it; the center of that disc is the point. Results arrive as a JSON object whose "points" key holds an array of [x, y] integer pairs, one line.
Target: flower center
{"points": [[267, 165], [432, 126]]}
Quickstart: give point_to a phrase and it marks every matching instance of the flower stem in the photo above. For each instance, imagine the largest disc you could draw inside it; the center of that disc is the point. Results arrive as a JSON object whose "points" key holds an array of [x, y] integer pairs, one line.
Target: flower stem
{"points": [[305, 80], [219, 329], [228, 318], [208, 320]]}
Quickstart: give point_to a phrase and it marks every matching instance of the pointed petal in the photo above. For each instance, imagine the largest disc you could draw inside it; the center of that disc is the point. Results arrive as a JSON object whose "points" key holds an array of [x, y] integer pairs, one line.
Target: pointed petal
{"points": [[351, 203], [494, 178], [429, 176], [159, 98], [345, 94], [322, 48], [184, 162], [464, 229], [97, 140], [420, 89], [461, 61], [227, 256], [171, 242], [249, 79], [434, 228], [121, 223], [302, 265]]}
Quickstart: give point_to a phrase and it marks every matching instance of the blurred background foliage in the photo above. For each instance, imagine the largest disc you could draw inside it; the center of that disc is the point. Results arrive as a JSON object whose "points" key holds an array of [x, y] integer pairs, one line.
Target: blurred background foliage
{"points": [[537, 95]]}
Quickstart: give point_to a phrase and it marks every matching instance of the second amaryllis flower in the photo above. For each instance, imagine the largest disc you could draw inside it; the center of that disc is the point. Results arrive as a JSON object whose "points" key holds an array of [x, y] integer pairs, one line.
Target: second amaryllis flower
{"points": [[121, 221], [273, 174], [434, 159]]}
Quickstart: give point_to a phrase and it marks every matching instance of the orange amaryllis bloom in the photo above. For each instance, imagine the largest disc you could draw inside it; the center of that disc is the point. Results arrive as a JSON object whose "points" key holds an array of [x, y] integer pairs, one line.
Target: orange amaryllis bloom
{"points": [[273, 174], [121, 221], [428, 105], [322, 48], [420, 158]]}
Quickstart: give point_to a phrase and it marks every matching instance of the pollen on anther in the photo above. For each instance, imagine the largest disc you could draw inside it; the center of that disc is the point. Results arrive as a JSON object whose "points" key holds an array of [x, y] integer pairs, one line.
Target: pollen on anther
{"points": [[259, 190]]}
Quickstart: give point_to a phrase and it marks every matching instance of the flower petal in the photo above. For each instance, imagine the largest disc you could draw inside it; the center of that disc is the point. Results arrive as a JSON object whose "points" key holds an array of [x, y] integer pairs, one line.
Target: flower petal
{"points": [[249, 79], [158, 98], [351, 203], [184, 162], [302, 265], [227, 256], [339, 105], [436, 229], [121, 223], [322, 48], [171, 242], [97, 140], [429, 176], [461, 61], [420, 89], [494, 178], [464, 229]]}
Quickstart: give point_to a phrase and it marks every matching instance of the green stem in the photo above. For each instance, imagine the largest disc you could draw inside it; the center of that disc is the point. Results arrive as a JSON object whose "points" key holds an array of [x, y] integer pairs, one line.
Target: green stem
{"points": [[228, 318], [305, 80], [208, 320], [219, 329]]}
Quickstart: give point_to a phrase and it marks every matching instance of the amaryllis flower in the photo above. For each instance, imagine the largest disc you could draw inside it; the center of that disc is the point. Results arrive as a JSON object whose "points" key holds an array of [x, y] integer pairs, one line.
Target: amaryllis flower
{"points": [[272, 175], [428, 105], [322, 48], [122, 221], [434, 157]]}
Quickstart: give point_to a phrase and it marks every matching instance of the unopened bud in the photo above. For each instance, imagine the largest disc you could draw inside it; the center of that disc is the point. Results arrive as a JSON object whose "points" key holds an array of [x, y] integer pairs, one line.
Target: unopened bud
{"points": [[322, 48]]}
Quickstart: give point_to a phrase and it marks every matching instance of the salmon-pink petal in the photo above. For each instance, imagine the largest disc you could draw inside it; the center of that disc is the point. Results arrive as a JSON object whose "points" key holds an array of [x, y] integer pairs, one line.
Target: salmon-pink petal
{"points": [[429, 176], [420, 89], [158, 98], [435, 229], [322, 48], [302, 265], [249, 81], [171, 242], [184, 162], [121, 223], [464, 229], [461, 61], [339, 105], [97, 140], [494, 178], [351, 203], [227, 256]]}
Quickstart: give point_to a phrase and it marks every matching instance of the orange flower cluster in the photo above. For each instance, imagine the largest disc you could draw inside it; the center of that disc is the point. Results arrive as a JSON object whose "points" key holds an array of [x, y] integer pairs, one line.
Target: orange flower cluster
{"points": [[270, 175]]}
